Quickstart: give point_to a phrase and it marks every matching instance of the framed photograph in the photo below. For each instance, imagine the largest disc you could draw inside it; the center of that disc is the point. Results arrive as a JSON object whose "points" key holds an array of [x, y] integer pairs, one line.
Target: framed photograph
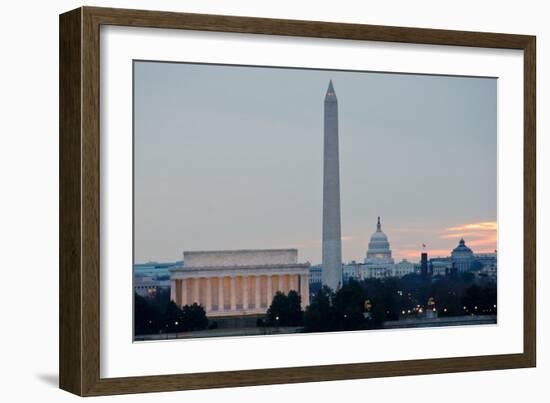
{"points": [[248, 201]]}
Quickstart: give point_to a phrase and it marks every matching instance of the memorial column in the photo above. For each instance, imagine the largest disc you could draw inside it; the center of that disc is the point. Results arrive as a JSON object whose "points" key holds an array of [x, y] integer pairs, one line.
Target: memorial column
{"points": [[269, 295], [291, 285], [245, 292], [183, 292], [208, 294], [233, 293], [221, 305], [196, 290], [257, 294]]}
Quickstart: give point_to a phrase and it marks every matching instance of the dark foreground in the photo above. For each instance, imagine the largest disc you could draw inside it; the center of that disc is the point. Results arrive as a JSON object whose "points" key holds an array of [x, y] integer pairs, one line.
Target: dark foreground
{"points": [[263, 331]]}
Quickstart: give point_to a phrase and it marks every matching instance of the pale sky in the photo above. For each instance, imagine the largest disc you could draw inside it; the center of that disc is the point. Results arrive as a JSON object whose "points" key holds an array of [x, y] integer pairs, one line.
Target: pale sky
{"points": [[230, 157]]}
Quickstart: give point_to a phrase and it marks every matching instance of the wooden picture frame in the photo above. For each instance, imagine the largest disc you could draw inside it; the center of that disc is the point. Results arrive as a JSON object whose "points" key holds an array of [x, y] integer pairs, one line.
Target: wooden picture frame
{"points": [[79, 278]]}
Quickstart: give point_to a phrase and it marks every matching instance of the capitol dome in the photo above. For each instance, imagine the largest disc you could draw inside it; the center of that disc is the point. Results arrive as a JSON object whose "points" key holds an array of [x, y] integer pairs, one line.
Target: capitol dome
{"points": [[379, 247]]}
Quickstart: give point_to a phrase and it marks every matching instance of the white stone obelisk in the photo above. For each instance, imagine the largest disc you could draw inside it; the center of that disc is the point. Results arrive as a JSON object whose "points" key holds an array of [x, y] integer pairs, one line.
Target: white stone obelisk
{"points": [[332, 242]]}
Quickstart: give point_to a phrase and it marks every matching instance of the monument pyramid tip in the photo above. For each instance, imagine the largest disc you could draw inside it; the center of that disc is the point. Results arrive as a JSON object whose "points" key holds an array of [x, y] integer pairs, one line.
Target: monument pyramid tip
{"points": [[330, 87]]}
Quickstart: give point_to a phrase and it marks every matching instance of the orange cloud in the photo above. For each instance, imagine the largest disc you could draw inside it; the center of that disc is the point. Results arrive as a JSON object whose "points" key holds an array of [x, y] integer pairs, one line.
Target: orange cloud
{"points": [[480, 236], [483, 226], [486, 241], [483, 234], [460, 235]]}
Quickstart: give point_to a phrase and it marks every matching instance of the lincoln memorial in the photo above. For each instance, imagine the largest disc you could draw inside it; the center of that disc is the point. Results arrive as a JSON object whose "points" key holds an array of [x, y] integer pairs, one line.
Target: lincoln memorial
{"points": [[238, 282]]}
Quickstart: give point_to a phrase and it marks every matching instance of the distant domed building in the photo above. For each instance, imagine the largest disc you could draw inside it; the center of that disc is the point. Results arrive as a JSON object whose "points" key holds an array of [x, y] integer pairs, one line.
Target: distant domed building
{"points": [[379, 251], [379, 262], [462, 257]]}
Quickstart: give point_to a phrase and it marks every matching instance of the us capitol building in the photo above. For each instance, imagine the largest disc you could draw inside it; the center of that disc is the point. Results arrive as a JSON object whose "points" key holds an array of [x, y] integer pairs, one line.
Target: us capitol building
{"points": [[379, 262]]}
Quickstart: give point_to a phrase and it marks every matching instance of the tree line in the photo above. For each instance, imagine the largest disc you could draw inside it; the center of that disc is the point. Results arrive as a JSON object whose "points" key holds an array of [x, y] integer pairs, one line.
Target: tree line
{"points": [[365, 304], [369, 303], [159, 314]]}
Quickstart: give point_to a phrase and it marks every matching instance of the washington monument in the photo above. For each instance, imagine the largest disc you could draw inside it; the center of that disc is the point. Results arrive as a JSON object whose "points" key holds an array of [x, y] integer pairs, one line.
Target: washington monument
{"points": [[332, 241]]}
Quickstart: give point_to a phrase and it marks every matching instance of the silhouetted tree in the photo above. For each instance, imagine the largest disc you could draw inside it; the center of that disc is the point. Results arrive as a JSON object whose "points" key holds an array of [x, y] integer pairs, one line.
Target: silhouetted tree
{"points": [[319, 315], [378, 314], [194, 317], [480, 300], [173, 318], [391, 298], [285, 310], [147, 316], [448, 297], [349, 307], [154, 315], [295, 312]]}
